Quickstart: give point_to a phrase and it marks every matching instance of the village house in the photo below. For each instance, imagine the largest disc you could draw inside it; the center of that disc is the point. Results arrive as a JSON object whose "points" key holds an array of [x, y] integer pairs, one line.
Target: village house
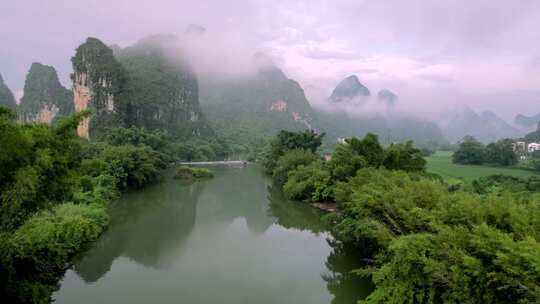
{"points": [[533, 147]]}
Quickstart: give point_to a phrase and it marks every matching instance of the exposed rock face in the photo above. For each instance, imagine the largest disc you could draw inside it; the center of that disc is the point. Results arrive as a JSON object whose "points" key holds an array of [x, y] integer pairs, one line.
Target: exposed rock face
{"points": [[164, 90], [6, 96], [387, 97], [99, 82], [45, 99], [348, 89], [279, 106]]}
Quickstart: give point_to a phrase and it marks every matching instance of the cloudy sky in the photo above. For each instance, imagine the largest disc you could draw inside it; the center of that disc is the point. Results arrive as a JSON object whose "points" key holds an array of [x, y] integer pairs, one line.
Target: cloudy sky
{"points": [[433, 54]]}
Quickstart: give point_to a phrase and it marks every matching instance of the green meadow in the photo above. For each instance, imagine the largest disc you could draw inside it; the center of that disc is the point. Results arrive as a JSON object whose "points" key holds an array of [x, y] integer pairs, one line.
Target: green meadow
{"points": [[441, 163]]}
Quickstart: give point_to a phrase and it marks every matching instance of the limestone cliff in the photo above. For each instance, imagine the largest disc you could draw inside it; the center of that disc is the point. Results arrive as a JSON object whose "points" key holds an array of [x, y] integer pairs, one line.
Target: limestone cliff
{"points": [[45, 99], [100, 83], [6, 97]]}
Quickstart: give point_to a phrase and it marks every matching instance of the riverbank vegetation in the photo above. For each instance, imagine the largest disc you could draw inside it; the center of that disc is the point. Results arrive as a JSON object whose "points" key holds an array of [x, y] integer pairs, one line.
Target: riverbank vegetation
{"points": [[423, 241], [189, 174], [55, 189]]}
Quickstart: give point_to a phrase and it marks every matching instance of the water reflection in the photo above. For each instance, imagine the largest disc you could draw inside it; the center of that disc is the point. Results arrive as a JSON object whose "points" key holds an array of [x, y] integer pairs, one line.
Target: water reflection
{"points": [[291, 214], [234, 235], [346, 286], [148, 227]]}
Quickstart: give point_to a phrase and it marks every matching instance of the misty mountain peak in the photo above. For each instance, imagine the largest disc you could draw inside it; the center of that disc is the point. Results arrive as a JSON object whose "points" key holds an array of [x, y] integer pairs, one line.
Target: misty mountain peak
{"points": [[527, 122], [195, 30], [387, 97], [348, 89]]}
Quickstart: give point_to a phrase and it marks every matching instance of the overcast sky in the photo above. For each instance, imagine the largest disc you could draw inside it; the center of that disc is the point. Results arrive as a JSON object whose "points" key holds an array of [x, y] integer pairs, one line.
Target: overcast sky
{"points": [[485, 53]]}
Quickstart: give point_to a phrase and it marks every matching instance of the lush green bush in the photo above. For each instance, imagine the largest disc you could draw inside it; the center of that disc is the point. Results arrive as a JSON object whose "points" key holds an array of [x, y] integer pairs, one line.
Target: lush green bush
{"points": [[286, 141], [404, 157], [189, 173], [435, 246], [290, 161], [501, 183], [36, 253], [470, 152], [309, 182]]}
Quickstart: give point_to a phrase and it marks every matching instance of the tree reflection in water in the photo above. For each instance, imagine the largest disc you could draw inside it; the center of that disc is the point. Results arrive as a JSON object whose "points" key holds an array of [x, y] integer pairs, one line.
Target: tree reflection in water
{"points": [[346, 286], [147, 226]]}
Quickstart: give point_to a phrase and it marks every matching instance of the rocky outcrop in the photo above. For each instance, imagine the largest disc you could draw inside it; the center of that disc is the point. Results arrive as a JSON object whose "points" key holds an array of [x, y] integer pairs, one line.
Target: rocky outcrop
{"points": [[6, 96], [100, 83], [349, 89], [45, 99]]}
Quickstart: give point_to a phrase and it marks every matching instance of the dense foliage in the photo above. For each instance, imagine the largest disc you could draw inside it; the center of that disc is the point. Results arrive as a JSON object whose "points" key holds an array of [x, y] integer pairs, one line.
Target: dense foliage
{"points": [[435, 246], [54, 189], [472, 152], [163, 91], [190, 174], [424, 241], [294, 166]]}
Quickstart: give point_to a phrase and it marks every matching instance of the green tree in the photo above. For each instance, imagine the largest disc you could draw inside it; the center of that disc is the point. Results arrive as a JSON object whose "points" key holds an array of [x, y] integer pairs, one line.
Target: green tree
{"points": [[404, 157], [289, 162], [286, 140], [501, 153], [470, 152]]}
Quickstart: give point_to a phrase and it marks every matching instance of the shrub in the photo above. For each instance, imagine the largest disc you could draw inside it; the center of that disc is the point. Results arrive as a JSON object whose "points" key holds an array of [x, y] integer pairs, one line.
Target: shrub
{"points": [[188, 174], [290, 161], [311, 182]]}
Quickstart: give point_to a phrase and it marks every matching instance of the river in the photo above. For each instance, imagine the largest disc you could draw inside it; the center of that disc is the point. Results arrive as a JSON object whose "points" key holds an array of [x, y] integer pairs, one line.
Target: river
{"points": [[230, 239]]}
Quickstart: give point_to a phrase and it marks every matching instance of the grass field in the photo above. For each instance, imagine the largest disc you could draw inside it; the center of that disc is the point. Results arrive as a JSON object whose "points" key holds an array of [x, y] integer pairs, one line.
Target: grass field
{"points": [[441, 163]]}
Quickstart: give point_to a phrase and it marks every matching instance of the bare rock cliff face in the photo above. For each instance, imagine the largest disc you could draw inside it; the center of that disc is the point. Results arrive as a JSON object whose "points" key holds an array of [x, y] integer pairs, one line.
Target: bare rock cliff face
{"points": [[82, 95], [45, 99]]}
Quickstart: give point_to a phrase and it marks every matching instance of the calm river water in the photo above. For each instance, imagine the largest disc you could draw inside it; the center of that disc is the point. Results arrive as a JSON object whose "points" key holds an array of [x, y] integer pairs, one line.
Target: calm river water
{"points": [[230, 239]]}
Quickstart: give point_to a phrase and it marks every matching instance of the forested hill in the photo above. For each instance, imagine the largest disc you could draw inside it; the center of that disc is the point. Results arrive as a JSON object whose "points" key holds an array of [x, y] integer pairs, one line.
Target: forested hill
{"points": [[45, 99], [136, 86], [486, 127], [256, 106], [164, 91], [6, 96]]}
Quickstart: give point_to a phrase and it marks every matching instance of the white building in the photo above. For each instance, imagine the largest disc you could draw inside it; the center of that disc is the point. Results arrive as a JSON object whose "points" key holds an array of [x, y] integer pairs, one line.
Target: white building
{"points": [[533, 147]]}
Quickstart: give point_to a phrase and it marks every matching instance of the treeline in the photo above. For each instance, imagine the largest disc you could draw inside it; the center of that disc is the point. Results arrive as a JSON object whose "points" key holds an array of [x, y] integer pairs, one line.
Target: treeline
{"points": [[54, 189], [473, 152], [422, 240], [303, 175]]}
